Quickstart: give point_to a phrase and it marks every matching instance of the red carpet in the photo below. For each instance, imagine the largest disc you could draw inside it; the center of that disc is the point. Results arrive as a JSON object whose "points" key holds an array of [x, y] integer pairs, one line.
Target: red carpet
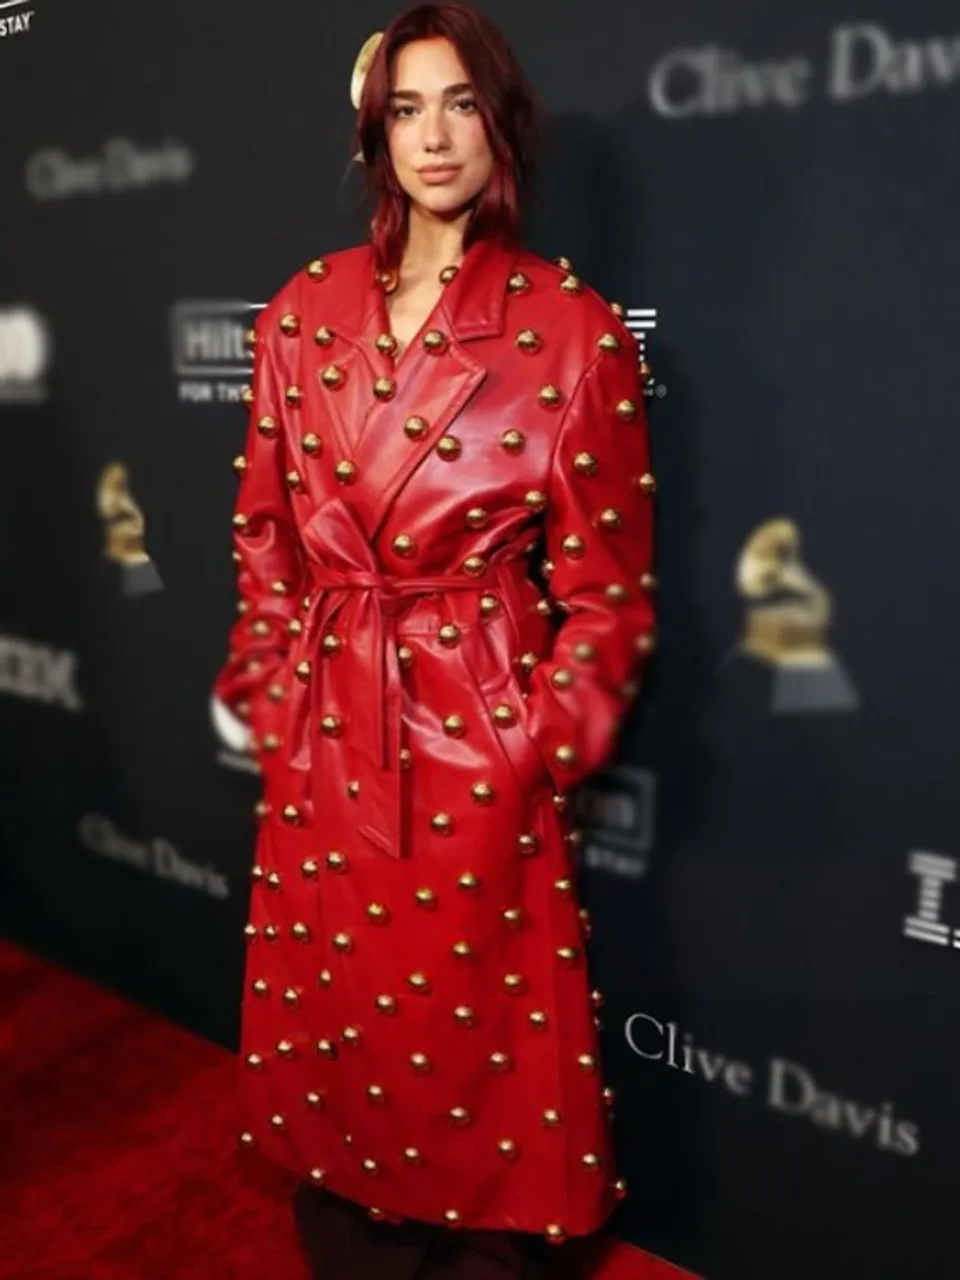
{"points": [[118, 1159]]}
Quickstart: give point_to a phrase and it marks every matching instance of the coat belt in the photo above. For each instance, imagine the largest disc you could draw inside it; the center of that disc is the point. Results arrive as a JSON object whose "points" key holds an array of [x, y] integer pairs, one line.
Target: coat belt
{"points": [[376, 703]]}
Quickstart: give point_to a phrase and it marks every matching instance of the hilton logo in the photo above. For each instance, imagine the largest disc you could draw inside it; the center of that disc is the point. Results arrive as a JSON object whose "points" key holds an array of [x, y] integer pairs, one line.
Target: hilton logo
{"points": [[933, 871], [15, 18], [641, 321], [211, 358]]}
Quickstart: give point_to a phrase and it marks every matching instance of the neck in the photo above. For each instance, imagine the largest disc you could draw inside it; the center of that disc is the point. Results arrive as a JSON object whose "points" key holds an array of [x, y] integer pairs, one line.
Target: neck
{"points": [[433, 243]]}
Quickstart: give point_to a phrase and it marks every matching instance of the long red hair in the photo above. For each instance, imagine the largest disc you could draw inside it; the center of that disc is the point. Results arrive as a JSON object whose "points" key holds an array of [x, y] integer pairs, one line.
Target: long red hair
{"points": [[504, 99]]}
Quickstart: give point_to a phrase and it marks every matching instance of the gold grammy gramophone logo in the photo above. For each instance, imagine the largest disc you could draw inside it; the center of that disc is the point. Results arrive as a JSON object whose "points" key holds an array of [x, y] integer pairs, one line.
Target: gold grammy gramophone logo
{"points": [[124, 532], [358, 77], [786, 620]]}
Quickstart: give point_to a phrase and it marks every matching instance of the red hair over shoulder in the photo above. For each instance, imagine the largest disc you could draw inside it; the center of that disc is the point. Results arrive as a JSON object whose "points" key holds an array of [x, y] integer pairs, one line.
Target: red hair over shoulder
{"points": [[504, 99]]}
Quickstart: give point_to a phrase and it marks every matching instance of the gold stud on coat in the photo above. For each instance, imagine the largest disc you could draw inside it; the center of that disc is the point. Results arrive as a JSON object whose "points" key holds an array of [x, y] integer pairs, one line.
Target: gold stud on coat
{"points": [[529, 340], [518, 283], [550, 396], [323, 337], [345, 472], [290, 324], [318, 269], [571, 285], [648, 483], [513, 441], [385, 388], [332, 376], [608, 342], [415, 427], [626, 410], [293, 396], [435, 342]]}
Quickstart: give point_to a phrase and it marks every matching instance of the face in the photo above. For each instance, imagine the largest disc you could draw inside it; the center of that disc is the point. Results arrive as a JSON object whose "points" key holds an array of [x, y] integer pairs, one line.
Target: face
{"points": [[434, 123]]}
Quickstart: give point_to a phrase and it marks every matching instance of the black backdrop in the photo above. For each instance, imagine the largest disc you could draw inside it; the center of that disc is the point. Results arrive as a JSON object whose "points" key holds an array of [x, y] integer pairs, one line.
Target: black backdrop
{"points": [[773, 192]]}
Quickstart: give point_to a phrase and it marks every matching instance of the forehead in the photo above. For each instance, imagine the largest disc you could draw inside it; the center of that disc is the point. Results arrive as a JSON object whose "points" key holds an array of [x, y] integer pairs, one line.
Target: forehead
{"points": [[428, 66]]}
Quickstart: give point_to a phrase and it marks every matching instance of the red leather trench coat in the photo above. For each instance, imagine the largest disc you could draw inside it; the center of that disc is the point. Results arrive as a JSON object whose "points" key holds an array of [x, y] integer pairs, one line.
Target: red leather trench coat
{"points": [[419, 1030]]}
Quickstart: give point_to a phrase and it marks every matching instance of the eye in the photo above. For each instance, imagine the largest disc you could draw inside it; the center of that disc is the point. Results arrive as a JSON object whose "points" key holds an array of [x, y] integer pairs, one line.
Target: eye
{"points": [[466, 105], [399, 112]]}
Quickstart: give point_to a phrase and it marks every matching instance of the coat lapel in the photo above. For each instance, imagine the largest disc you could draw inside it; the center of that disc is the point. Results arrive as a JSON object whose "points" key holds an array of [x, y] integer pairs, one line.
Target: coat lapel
{"points": [[434, 385]]}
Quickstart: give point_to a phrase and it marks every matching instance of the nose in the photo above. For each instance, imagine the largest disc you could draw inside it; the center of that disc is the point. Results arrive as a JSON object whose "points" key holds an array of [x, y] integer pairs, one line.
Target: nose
{"points": [[436, 133]]}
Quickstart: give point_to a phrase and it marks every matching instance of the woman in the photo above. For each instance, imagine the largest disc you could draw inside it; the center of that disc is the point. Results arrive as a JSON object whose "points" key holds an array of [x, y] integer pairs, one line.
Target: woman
{"points": [[441, 423]]}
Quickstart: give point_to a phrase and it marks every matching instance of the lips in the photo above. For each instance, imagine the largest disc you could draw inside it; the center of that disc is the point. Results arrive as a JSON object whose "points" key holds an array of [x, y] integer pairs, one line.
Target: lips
{"points": [[436, 176]]}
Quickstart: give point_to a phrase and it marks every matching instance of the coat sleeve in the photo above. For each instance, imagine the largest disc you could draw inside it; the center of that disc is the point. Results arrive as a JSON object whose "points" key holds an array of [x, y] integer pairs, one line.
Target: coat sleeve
{"points": [[266, 546], [599, 539]]}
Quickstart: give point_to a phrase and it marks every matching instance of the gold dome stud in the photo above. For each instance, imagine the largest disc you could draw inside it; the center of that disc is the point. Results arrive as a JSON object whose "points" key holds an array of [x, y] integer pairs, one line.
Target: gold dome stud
{"points": [[528, 661], [620, 1189], [386, 344], [571, 285], [648, 582], [420, 1063], [425, 898], [569, 955], [554, 1233], [610, 518], [513, 441], [351, 1036], [324, 978], [273, 880], [544, 608], [475, 566], [549, 396], [573, 546], [246, 395], [535, 499], [468, 882], [465, 1015], [300, 931], [626, 409], [345, 472], [318, 269], [500, 1061], [277, 1121], [317, 1177], [386, 1004], [512, 917], [609, 1095], [419, 982], [537, 1019], [489, 605], [290, 324], [564, 887], [311, 444], [452, 1218], [411, 1155], [448, 447], [385, 388], [608, 342], [267, 426], [294, 626], [587, 1063], [504, 715], [645, 642], [276, 692], [449, 635], [477, 518], [271, 932], [377, 1094], [563, 262], [342, 942], [290, 814], [565, 756], [552, 1118], [378, 913], [370, 1166], [404, 655], [336, 861], [260, 628], [435, 342], [415, 427], [303, 671], [331, 643], [483, 792], [518, 283], [254, 1061], [583, 651], [293, 396], [561, 678], [529, 340], [240, 463], [331, 726], [353, 789], [261, 809], [326, 1049], [291, 997], [442, 823], [648, 483], [585, 464], [462, 950], [404, 545], [616, 592], [528, 843], [376, 1215], [449, 274], [459, 1116], [240, 521], [507, 1148], [323, 336], [514, 983], [596, 999], [332, 376], [293, 480]]}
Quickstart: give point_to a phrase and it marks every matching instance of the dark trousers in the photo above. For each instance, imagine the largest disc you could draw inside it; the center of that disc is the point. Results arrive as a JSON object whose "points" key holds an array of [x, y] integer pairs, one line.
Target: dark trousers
{"points": [[341, 1242]]}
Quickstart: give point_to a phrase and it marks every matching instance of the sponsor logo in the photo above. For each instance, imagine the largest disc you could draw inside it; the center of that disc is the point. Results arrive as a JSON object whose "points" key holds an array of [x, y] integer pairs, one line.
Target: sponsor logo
{"points": [[122, 165], [234, 736], [617, 811], [39, 673], [155, 857], [860, 61], [25, 350], [15, 18], [641, 321], [933, 872], [785, 1087], [212, 360]]}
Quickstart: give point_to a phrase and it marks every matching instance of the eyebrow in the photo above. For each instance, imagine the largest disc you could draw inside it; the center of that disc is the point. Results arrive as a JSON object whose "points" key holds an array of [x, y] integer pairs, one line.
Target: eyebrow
{"points": [[448, 91]]}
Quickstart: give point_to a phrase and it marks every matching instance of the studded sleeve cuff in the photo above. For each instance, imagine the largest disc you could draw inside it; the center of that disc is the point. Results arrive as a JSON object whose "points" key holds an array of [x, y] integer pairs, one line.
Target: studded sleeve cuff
{"points": [[266, 546], [599, 537]]}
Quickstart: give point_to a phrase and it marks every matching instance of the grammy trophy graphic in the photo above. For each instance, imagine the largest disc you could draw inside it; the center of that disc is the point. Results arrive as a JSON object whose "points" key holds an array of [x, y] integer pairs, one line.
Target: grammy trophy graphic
{"points": [[124, 532], [787, 615]]}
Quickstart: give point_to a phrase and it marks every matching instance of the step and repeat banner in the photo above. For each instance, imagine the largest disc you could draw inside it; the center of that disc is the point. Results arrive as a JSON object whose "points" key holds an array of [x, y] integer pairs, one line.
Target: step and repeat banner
{"points": [[772, 860]]}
